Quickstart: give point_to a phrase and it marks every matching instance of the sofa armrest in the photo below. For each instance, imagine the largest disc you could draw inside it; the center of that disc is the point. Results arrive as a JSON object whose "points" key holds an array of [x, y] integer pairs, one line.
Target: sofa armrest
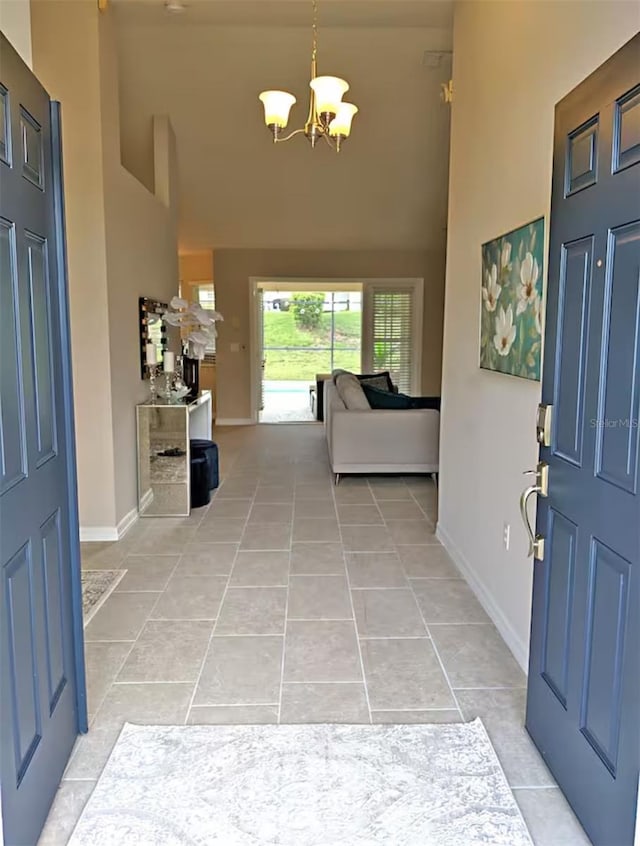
{"points": [[385, 437]]}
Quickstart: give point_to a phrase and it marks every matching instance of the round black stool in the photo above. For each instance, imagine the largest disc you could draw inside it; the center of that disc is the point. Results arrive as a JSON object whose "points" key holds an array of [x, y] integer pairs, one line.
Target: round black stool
{"points": [[208, 450], [200, 493]]}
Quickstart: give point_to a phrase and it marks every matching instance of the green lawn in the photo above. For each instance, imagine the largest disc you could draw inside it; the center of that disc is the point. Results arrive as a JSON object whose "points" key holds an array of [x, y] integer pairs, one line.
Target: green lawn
{"points": [[280, 330]]}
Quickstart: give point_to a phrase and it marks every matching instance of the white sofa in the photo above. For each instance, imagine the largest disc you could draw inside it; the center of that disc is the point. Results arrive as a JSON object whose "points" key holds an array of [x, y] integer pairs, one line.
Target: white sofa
{"points": [[380, 440]]}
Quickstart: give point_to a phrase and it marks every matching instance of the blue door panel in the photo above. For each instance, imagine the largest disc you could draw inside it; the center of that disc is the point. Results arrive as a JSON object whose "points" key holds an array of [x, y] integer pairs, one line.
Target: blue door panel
{"points": [[54, 608], [23, 662], [31, 149], [619, 406], [12, 428], [607, 624], [558, 596], [626, 139], [41, 350], [582, 157], [573, 324]]}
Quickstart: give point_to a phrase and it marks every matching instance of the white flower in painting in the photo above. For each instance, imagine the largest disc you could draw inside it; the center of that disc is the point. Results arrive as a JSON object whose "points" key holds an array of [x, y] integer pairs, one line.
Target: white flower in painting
{"points": [[505, 331], [527, 292], [491, 290], [505, 256], [537, 308]]}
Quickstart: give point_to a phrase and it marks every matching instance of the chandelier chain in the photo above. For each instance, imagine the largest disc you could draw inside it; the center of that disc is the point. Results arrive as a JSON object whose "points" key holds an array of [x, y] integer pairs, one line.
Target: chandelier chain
{"points": [[314, 28]]}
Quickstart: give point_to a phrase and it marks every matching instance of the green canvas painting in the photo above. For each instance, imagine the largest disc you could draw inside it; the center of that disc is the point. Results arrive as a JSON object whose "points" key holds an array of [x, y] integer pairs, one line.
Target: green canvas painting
{"points": [[511, 323]]}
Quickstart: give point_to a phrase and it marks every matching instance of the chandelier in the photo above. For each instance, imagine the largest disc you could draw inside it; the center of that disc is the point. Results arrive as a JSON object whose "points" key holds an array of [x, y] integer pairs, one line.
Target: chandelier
{"points": [[328, 118]]}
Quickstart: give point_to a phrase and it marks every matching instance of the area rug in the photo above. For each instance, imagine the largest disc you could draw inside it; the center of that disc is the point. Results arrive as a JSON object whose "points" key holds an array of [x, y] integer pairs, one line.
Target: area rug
{"points": [[307, 785], [97, 587]]}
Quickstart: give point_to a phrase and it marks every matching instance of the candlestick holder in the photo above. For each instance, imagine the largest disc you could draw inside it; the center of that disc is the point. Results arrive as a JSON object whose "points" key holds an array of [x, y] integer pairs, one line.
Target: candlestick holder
{"points": [[168, 380], [153, 390]]}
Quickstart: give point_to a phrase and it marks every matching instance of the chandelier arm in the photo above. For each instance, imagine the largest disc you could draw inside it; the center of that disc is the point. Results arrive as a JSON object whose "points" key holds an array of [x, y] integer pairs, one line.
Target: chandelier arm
{"points": [[287, 137], [327, 138]]}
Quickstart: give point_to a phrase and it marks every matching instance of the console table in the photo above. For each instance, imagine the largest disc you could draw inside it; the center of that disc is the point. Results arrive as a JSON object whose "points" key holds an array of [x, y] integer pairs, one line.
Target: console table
{"points": [[164, 431]]}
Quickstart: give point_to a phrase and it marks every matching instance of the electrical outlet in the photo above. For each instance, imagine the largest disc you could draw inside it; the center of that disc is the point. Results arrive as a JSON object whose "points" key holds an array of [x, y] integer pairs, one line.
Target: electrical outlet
{"points": [[506, 536]]}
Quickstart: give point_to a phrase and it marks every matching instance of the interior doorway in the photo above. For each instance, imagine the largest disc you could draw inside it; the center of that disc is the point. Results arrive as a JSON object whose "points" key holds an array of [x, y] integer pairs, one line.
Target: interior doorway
{"points": [[305, 330]]}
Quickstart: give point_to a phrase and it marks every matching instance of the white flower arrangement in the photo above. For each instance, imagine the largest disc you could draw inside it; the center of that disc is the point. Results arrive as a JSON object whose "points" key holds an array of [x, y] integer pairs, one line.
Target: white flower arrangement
{"points": [[197, 325]]}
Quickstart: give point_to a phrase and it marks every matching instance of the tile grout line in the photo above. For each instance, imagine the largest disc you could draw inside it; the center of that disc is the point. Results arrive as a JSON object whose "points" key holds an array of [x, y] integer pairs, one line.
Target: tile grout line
{"points": [[435, 647], [424, 622], [215, 624], [353, 609], [286, 614]]}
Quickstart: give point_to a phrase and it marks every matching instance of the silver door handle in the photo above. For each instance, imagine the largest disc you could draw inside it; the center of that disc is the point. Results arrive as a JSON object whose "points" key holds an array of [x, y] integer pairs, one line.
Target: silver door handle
{"points": [[541, 487], [532, 489]]}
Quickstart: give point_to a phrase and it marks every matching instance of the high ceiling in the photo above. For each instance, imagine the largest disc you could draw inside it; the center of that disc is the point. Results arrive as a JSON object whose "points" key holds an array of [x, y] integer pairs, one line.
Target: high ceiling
{"points": [[205, 67]]}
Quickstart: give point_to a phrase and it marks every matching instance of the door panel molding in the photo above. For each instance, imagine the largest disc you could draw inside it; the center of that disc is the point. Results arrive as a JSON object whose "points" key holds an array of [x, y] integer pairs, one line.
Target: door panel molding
{"points": [[581, 168], [626, 132], [558, 605], [13, 451], [608, 602], [574, 298], [21, 622], [54, 585], [618, 426]]}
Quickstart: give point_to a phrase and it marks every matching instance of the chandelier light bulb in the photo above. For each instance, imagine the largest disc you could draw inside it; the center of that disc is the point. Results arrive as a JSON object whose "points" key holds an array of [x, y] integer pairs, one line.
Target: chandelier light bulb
{"points": [[341, 124], [277, 105], [328, 91]]}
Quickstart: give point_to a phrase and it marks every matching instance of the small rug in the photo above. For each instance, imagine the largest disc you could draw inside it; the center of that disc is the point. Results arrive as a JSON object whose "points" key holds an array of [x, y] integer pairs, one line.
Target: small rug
{"points": [[97, 587], [307, 785]]}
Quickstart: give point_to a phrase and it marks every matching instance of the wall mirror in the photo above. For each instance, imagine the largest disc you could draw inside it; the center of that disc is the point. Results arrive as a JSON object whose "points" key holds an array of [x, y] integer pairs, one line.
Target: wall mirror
{"points": [[152, 330]]}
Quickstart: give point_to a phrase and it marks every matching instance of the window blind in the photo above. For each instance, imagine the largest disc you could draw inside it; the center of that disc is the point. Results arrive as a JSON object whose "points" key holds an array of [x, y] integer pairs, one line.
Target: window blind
{"points": [[393, 342]]}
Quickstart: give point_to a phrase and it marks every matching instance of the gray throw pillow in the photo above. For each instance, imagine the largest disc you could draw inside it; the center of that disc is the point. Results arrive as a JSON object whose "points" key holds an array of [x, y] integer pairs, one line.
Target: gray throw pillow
{"points": [[351, 393]]}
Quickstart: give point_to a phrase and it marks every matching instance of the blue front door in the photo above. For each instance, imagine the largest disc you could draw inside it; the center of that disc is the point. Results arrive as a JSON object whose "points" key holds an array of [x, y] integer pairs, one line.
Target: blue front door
{"points": [[41, 677], [583, 708]]}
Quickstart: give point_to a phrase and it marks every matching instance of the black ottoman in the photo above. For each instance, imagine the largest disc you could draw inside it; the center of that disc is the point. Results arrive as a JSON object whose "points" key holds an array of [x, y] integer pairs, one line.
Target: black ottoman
{"points": [[200, 493], [209, 451]]}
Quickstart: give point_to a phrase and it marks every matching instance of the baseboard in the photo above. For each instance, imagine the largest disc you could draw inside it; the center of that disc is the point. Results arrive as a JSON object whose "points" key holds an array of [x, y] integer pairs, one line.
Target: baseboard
{"points": [[519, 649], [146, 501], [127, 522], [234, 421], [93, 534]]}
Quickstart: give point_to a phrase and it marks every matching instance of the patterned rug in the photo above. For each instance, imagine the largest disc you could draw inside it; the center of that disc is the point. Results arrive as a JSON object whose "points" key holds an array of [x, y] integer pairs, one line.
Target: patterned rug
{"points": [[97, 587], [307, 785]]}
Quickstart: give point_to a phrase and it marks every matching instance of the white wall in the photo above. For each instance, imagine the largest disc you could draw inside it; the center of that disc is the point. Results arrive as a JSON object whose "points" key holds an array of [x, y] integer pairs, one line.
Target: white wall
{"points": [[512, 63], [15, 24]]}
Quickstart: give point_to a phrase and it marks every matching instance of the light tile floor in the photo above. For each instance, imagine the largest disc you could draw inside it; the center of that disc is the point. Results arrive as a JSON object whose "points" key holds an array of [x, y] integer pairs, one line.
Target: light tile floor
{"points": [[291, 600]]}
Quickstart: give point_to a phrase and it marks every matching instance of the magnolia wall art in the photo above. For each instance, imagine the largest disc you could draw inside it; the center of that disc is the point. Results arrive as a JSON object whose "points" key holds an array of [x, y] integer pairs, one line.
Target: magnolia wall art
{"points": [[512, 302]]}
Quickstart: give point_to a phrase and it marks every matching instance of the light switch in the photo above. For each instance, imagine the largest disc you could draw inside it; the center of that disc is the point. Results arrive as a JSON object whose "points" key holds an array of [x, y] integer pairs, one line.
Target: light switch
{"points": [[234, 347]]}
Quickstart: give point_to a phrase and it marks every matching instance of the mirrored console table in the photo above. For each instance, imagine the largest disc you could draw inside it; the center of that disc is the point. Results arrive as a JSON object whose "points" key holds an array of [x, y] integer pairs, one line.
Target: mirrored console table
{"points": [[164, 431]]}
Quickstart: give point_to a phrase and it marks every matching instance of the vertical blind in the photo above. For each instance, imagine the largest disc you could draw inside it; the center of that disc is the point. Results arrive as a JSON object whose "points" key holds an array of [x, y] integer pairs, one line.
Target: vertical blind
{"points": [[393, 335]]}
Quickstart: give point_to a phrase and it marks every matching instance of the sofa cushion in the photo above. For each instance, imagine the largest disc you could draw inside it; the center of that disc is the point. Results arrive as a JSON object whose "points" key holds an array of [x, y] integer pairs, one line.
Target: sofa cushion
{"points": [[351, 392], [385, 399], [389, 399], [380, 380]]}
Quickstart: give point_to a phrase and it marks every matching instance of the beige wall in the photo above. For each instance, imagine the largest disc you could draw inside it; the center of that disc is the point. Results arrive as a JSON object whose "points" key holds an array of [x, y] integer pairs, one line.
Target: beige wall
{"points": [[65, 60], [500, 177], [233, 269], [142, 260], [122, 244], [15, 24]]}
